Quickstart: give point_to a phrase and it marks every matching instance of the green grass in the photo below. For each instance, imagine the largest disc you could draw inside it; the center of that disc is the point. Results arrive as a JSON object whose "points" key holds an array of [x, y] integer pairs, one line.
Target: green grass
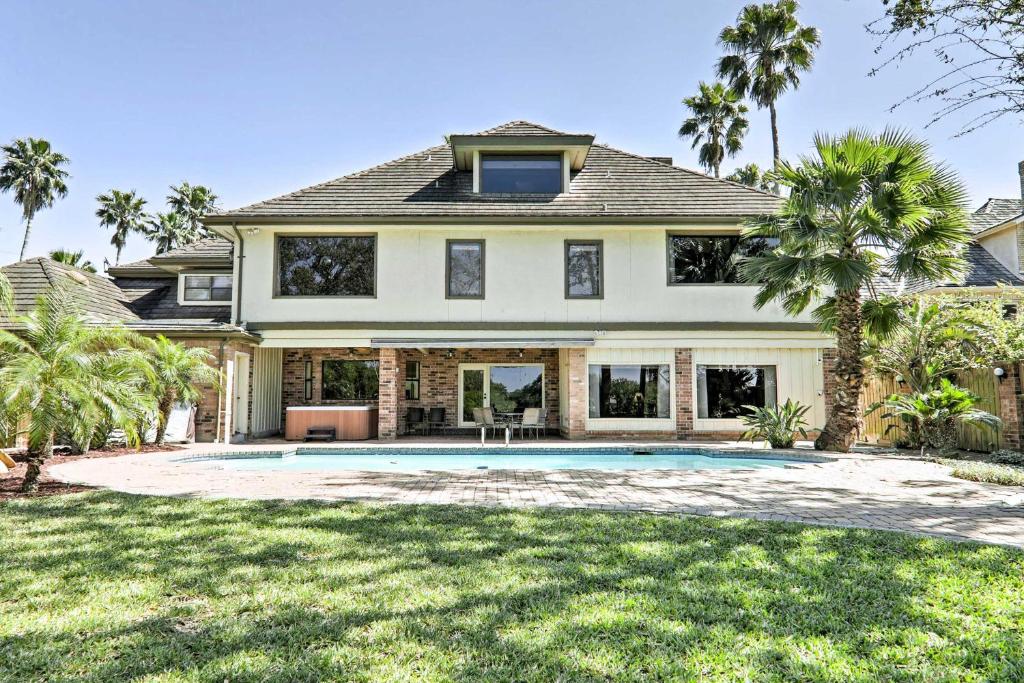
{"points": [[988, 473], [104, 587]]}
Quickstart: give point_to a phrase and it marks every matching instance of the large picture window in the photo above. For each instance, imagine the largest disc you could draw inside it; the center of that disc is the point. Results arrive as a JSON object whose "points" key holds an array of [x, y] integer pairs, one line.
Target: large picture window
{"points": [[583, 269], [723, 391], [630, 391], [521, 173], [464, 269], [337, 265], [345, 380], [704, 260]]}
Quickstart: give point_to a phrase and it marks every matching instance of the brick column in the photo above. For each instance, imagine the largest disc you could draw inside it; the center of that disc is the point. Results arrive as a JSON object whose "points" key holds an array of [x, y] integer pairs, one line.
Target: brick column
{"points": [[578, 400], [684, 393], [828, 370], [1009, 405], [387, 424]]}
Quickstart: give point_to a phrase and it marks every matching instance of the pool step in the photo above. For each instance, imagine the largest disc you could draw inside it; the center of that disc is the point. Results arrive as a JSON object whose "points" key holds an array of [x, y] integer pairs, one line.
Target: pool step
{"points": [[321, 434]]}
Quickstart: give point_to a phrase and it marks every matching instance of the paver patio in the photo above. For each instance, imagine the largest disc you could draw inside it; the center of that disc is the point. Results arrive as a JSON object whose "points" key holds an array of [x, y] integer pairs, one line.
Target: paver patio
{"points": [[863, 490]]}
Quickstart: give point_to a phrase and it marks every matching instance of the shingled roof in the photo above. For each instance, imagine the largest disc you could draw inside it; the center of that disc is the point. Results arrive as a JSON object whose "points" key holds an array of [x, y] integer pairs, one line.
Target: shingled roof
{"points": [[209, 250], [983, 270], [993, 212], [612, 184], [99, 298]]}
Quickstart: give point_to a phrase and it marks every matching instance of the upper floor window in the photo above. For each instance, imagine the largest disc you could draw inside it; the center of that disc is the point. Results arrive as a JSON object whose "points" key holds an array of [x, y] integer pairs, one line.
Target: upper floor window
{"points": [[208, 289], [710, 259], [584, 269], [521, 173], [321, 265], [464, 269]]}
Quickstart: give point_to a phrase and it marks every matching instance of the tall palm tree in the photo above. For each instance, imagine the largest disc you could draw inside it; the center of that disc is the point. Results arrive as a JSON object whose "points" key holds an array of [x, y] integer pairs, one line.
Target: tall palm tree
{"points": [[122, 211], [32, 170], [176, 369], [717, 123], [765, 52], [169, 231], [192, 202], [61, 374], [862, 205], [73, 259]]}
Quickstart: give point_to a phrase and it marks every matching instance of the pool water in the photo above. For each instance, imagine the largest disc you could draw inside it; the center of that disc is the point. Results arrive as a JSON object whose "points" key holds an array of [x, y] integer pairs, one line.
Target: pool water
{"points": [[412, 460]]}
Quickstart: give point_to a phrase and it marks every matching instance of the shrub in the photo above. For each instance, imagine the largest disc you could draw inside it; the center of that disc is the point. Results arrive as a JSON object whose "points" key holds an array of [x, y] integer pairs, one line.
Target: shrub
{"points": [[1007, 457], [988, 473], [776, 424]]}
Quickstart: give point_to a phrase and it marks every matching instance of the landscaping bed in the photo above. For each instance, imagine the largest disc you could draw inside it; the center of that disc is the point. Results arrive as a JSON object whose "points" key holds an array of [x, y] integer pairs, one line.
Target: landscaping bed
{"points": [[103, 586]]}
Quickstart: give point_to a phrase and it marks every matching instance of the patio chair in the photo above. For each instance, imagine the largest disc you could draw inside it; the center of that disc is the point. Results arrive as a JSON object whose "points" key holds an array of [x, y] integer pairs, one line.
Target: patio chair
{"points": [[534, 420], [489, 421], [415, 420], [437, 419]]}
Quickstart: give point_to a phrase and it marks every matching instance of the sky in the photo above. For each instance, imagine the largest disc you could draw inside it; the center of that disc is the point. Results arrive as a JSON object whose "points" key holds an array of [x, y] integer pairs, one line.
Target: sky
{"points": [[255, 98]]}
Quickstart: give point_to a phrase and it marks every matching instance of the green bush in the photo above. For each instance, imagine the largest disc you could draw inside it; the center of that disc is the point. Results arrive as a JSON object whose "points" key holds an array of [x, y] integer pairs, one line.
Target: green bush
{"points": [[988, 473], [1007, 457], [775, 424]]}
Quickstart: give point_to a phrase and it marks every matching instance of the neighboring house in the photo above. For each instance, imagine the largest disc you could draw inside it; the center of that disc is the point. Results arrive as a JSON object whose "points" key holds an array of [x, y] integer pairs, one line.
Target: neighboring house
{"points": [[518, 267]]}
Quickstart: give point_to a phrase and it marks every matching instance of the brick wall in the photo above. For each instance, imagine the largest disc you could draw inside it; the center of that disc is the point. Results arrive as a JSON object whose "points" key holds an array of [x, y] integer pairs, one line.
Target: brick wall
{"points": [[210, 409], [828, 369], [387, 423], [1010, 390], [684, 393]]}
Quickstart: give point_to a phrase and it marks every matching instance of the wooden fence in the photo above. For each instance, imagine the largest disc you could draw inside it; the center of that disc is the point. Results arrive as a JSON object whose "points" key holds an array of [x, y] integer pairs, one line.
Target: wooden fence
{"points": [[983, 382]]}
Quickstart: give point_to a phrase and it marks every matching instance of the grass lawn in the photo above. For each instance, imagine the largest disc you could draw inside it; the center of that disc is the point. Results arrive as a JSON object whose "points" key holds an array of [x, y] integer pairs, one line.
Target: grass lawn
{"points": [[103, 587]]}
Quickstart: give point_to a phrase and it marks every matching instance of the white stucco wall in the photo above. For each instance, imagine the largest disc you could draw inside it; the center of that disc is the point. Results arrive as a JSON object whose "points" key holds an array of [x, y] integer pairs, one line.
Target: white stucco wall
{"points": [[524, 280], [1003, 245]]}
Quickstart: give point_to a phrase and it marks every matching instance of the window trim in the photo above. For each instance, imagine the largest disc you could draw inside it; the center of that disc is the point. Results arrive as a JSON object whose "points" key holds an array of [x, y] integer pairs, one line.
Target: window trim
{"points": [[406, 379], [448, 269], [182, 301], [479, 169], [600, 261], [323, 379], [276, 280], [669, 234]]}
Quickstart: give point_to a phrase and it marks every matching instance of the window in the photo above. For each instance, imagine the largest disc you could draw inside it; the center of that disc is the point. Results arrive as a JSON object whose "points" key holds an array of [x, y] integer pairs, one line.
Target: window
{"points": [[307, 380], [693, 259], [343, 265], [521, 173], [584, 274], [412, 380], [722, 391], [630, 391], [212, 289], [464, 269], [345, 380]]}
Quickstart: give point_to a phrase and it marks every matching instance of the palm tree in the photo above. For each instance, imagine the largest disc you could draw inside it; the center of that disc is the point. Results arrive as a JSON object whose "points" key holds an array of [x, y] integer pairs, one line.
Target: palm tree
{"points": [[751, 175], [176, 369], [169, 231], [60, 374], [73, 259], [861, 206], [766, 51], [717, 123], [192, 202], [32, 170], [123, 212]]}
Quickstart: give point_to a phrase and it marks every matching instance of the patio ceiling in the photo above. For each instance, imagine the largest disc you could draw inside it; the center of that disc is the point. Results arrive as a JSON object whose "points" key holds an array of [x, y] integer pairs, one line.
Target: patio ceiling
{"points": [[478, 343]]}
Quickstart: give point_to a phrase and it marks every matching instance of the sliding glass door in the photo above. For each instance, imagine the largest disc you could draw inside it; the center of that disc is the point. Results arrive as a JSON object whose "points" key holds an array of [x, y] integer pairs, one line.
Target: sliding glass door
{"points": [[506, 388]]}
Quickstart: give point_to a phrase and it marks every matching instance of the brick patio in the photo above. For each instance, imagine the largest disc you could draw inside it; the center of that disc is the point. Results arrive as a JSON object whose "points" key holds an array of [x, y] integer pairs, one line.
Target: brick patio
{"points": [[864, 490]]}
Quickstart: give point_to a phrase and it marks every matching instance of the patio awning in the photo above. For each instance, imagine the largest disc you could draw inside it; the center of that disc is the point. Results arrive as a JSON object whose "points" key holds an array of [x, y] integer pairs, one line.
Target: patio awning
{"points": [[481, 343]]}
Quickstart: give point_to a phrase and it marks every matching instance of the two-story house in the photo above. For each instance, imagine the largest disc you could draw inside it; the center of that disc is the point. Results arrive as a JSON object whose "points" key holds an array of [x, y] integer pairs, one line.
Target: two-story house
{"points": [[514, 268]]}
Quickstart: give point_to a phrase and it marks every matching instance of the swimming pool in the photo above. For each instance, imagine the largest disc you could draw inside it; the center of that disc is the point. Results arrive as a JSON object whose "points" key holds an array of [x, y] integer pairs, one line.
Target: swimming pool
{"points": [[430, 459]]}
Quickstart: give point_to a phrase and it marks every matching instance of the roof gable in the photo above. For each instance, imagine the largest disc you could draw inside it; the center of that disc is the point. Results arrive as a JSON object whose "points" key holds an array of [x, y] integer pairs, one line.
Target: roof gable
{"points": [[424, 185]]}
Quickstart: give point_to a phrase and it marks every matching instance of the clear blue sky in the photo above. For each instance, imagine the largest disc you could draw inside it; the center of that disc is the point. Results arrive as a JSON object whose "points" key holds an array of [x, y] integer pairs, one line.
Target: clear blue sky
{"points": [[260, 98]]}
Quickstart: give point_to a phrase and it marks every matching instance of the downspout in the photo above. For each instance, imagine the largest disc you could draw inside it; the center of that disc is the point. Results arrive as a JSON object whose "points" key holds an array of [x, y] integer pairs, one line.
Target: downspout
{"points": [[223, 393], [241, 271]]}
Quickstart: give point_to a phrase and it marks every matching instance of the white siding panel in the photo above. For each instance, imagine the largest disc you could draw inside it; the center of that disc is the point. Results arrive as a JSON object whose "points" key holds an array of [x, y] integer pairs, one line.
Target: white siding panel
{"points": [[266, 391]]}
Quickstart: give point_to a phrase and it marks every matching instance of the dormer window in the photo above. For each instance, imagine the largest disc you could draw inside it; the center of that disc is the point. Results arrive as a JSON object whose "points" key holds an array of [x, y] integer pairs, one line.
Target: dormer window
{"points": [[521, 173]]}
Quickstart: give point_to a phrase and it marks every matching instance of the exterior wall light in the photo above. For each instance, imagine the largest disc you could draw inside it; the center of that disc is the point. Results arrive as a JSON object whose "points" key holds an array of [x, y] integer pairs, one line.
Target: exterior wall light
{"points": [[999, 373]]}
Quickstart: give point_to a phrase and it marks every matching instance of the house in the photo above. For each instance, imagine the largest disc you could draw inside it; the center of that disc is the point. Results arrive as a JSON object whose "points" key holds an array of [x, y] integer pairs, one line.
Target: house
{"points": [[514, 268]]}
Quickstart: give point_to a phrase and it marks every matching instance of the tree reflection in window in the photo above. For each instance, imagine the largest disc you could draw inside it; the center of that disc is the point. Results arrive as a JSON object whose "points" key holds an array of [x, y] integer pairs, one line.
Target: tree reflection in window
{"points": [[630, 391], [704, 259], [583, 270], [516, 387], [466, 269], [722, 391], [343, 265]]}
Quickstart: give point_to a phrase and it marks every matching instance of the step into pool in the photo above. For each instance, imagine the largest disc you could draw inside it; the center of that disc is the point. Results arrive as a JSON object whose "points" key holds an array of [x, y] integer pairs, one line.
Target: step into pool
{"points": [[420, 459]]}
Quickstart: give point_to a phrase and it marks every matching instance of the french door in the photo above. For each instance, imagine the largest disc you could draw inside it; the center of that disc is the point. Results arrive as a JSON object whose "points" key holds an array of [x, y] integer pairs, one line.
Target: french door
{"points": [[504, 387]]}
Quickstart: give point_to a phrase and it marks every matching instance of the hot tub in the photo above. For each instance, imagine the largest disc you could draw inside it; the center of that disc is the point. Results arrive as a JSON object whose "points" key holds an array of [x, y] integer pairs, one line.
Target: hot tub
{"points": [[350, 423]]}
